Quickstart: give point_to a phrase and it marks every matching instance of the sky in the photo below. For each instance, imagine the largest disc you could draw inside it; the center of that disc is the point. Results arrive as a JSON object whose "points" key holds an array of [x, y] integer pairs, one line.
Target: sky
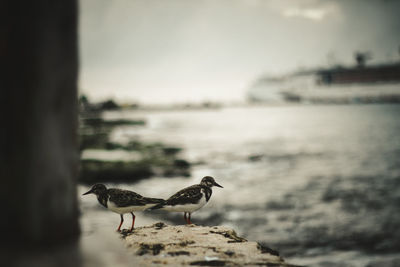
{"points": [[177, 51]]}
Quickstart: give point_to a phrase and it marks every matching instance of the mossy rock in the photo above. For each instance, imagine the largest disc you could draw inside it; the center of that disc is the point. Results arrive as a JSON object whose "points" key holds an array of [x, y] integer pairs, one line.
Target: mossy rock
{"points": [[93, 171], [98, 122], [155, 158], [95, 141]]}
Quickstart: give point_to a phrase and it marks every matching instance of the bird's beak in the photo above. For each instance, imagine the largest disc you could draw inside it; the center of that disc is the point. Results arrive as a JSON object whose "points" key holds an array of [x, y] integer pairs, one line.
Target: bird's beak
{"points": [[215, 183], [88, 192]]}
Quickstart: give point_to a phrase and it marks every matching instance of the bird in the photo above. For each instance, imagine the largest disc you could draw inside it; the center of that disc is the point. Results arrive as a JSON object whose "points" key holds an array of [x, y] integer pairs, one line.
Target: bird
{"points": [[189, 199], [122, 201]]}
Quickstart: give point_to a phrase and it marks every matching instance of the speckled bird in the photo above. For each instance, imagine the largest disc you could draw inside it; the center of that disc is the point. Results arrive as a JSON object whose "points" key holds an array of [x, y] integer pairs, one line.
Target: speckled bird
{"points": [[189, 199], [122, 201]]}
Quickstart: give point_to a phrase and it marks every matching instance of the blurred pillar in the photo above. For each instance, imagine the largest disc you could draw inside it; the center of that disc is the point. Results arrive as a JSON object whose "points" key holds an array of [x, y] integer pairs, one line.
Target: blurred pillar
{"points": [[38, 142]]}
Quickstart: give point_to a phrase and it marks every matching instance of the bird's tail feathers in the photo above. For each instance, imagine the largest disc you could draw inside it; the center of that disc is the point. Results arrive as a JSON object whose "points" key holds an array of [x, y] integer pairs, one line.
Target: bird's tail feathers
{"points": [[151, 200], [158, 206], [154, 200]]}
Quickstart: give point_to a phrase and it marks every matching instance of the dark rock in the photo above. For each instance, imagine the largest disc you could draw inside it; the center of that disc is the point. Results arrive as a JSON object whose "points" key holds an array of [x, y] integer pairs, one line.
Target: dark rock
{"points": [[265, 249], [153, 249], [109, 105], [114, 146], [159, 225], [229, 253], [93, 171], [210, 263], [171, 150], [113, 123], [178, 253], [231, 235], [125, 232], [97, 140], [181, 163], [185, 243]]}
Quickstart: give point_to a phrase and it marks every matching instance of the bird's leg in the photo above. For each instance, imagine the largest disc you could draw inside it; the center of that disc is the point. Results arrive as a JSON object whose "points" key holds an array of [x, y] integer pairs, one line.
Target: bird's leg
{"points": [[122, 220], [184, 217], [133, 221], [188, 221]]}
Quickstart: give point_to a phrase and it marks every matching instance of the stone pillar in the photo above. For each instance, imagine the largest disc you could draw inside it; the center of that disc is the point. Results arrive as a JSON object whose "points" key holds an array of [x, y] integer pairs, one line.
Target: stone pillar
{"points": [[38, 141]]}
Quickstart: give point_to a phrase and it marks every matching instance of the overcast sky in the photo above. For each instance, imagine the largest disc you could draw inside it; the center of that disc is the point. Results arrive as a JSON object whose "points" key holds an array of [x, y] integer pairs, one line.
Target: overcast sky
{"points": [[163, 51]]}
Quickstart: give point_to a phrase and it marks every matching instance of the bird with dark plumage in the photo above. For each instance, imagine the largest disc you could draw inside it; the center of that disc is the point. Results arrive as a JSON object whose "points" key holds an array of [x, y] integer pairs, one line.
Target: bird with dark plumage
{"points": [[122, 201], [189, 199]]}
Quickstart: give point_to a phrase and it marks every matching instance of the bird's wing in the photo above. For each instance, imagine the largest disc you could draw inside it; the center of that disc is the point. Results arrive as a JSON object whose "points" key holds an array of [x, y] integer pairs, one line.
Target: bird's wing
{"points": [[125, 198], [188, 195]]}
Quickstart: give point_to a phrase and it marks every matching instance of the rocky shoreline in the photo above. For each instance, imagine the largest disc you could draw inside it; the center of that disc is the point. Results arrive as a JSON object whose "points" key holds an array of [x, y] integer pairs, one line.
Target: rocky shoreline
{"points": [[103, 160], [165, 245]]}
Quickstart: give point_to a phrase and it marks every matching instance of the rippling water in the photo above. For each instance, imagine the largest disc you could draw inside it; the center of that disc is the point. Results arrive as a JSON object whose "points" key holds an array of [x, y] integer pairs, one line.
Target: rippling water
{"points": [[321, 184]]}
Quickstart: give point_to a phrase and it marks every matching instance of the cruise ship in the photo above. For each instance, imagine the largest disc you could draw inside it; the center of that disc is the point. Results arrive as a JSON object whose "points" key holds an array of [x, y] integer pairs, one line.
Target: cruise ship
{"points": [[360, 84]]}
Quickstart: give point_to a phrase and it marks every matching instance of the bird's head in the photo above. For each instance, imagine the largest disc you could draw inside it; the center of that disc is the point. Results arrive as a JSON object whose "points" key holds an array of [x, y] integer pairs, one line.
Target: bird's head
{"points": [[209, 181], [97, 189]]}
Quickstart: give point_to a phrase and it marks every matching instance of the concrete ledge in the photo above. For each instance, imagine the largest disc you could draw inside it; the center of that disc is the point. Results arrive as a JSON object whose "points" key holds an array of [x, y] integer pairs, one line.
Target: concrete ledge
{"points": [[161, 244]]}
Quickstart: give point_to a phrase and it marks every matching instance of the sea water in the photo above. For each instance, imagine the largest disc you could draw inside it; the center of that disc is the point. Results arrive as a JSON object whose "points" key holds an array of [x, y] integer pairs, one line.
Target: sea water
{"points": [[320, 184]]}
